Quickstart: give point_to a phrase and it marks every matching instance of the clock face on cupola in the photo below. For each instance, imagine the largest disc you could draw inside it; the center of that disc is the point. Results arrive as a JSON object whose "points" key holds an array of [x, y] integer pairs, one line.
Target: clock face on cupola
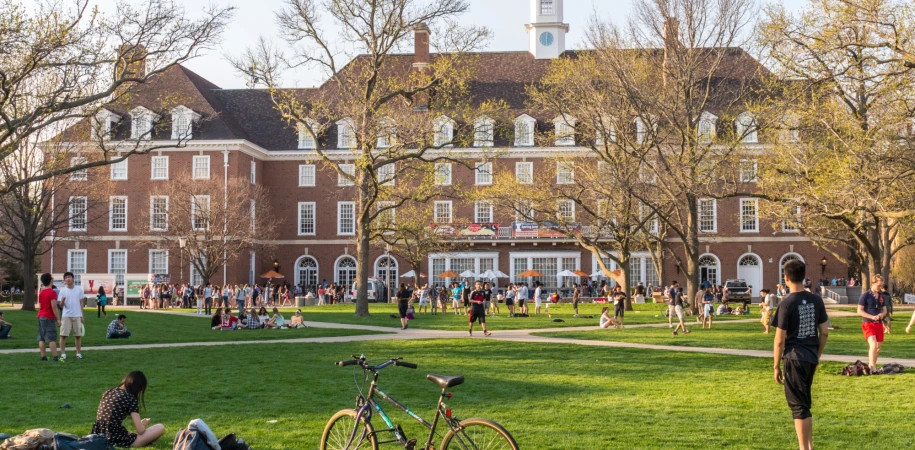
{"points": [[546, 39]]}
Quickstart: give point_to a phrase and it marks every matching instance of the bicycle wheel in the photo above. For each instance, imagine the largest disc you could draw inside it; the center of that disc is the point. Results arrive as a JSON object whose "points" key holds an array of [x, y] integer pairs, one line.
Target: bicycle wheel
{"points": [[479, 434], [339, 428]]}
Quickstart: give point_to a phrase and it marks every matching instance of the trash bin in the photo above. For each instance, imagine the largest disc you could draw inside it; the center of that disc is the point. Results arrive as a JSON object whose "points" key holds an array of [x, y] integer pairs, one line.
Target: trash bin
{"points": [[91, 302], [300, 301], [311, 301]]}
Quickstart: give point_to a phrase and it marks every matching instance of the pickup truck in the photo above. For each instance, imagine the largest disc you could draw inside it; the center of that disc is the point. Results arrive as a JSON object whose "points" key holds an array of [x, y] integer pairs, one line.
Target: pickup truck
{"points": [[737, 291]]}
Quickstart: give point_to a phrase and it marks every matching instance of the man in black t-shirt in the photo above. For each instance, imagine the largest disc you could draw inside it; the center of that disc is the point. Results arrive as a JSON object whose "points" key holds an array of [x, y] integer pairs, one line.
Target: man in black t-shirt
{"points": [[477, 312], [800, 337]]}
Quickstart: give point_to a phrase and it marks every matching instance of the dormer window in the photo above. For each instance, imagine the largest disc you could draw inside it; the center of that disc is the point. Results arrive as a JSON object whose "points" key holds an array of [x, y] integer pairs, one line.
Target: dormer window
{"points": [[706, 129], [483, 132], [183, 119], [443, 131], [565, 130], [640, 128], [306, 137], [103, 124], [524, 131], [141, 123], [346, 133], [604, 128], [746, 128], [386, 132]]}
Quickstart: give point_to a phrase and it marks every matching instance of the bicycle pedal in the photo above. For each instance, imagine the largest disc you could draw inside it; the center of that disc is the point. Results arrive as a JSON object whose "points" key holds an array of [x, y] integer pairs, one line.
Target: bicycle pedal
{"points": [[410, 444]]}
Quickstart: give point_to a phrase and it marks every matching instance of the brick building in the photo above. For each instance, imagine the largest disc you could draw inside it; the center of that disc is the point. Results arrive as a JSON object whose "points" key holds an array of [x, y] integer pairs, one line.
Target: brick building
{"points": [[239, 132]]}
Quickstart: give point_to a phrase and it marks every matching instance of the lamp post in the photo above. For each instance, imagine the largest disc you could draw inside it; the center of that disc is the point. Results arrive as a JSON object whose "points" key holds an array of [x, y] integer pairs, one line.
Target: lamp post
{"points": [[181, 243], [823, 267], [276, 265]]}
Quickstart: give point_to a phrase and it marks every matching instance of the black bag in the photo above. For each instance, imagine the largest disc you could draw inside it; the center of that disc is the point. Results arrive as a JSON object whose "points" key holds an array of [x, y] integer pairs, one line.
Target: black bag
{"points": [[66, 441], [230, 442], [188, 439]]}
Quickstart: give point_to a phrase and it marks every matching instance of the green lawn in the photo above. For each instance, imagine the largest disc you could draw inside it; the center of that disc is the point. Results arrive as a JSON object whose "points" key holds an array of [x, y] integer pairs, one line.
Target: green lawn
{"points": [[548, 396], [151, 328], [847, 340]]}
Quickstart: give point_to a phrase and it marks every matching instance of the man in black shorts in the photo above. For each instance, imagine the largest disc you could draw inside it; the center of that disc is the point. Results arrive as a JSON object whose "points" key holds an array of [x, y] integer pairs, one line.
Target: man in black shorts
{"points": [[800, 337], [477, 311]]}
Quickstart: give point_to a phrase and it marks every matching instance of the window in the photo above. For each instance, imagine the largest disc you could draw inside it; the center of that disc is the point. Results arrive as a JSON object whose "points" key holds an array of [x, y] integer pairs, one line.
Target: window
{"points": [[306, 138], [483, 171], [708, 215], [117, 213], [200, 212], [604, 128], [524, 210], [196, 277], [78, 213], [119, 170], [566, 210], [791, 226], [103, 124], [706, 129], [253, 214], [565, 130], [641, 130], [387, 214], [306, 175], [306, 218], [386, 174], [482, 212], [749, 217], [82, 174], [346, 218], [253, 172], [524, 172], [443, 211], [386, 132], [546, 7], [183, 122], [746, 128], [158, 213], [443, 131], [483, 132], [159, 168], [117, 264], [748, 171], [346, 134], [524, 131], [565, 172], [141, 123], [76, 263], [158, 262], [201, 167], [442, 174], [645, 212], [348, 169]]}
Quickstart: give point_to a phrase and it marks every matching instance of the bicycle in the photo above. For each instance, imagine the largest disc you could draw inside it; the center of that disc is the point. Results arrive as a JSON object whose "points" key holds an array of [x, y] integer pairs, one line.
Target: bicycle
{"points": [[353, 429]]}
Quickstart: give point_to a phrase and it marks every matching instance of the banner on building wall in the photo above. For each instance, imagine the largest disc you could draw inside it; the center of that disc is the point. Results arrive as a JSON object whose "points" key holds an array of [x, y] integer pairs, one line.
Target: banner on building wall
{"points": [[134, 283], [480, 229], [91, 282], [160, 278], [552, 230], [443, 229], [909, 298], [525, 229]]}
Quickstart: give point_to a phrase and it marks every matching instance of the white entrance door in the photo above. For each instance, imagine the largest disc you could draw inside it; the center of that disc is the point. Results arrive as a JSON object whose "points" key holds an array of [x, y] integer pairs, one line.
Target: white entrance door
{"points": [[750, 268]]}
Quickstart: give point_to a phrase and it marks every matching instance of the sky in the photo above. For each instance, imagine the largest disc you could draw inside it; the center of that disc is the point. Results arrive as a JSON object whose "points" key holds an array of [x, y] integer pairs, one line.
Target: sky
{"points": [[504, 18]]}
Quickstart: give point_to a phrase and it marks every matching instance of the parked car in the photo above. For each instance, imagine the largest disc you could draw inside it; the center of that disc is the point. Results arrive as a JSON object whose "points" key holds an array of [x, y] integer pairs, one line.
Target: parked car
{"points": [[737, 291], [376, 288]]}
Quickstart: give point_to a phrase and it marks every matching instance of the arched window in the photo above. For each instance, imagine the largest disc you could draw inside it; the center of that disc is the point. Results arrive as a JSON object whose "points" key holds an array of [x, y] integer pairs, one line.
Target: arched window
{"points": [[746, 128], [706, 128], [386, 271], [781, 264], [524, 130], [709, 269], [345, 271], [306, 272]]}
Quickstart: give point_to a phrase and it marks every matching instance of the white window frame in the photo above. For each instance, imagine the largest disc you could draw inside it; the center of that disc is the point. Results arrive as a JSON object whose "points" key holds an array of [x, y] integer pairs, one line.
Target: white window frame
{"points": [[152, 257], [77, 272], [111, 208], [546, 7], [253, 214], [204, 202], [480, 208], [118, 272], [483, 173], [200, 168], [483, 132], [443, 132], [183, 119], [564, 130], [448, 207], [118, 171], [387, 174], [307, 140], [569, 216], [441, 171], [789, 228], [253, 172], [524, 204], [747, 129], [525, 127], [565, 172], [73, 225], [340, 209], [389, 214], [520, 176], [303, 207], [706, 128], [386, 133], [755, 202], [82, 174], [601, 125], [141, 123], [346, 134], [349, 169], [748, 169], [699, 211], [304, 175], [152, 212], [101, 124], [158, 163]]}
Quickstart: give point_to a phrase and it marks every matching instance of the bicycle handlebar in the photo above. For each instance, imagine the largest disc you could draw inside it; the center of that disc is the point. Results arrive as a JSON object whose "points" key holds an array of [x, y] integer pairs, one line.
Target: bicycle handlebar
{"points": [[360, 360], [408, 365]]}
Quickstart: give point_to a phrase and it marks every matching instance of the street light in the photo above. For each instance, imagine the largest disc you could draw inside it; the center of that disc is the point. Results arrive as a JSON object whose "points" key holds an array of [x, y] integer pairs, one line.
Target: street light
{"points": [[823, 266], [276, 265], [181, 243]]}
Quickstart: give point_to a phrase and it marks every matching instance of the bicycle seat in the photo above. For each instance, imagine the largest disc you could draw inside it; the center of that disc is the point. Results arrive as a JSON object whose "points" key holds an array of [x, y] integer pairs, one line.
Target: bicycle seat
{"points": [[445, 381]]}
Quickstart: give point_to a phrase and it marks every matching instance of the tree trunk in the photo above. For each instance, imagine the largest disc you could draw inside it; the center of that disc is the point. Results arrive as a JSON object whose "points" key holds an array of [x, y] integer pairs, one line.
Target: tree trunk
{"points": [[28, 283], [362, 267], [691, 253]]}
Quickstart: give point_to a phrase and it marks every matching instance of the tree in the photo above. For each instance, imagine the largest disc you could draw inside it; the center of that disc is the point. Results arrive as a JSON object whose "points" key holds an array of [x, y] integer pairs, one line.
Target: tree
{"points": [[380, 103], [843, 168], [62, 61], [32, 215], [215, 219]]}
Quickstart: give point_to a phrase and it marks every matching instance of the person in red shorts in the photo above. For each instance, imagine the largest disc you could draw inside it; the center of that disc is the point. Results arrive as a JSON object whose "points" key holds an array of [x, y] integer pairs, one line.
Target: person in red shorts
{"points": [[872, 309], [477, 308]]}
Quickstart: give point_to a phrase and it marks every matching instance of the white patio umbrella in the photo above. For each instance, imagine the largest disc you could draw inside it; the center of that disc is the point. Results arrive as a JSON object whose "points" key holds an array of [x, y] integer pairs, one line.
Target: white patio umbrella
{"points": [[409, 274], [597, 273], [489, 274], [468, 274], [500, 274], [567, 273]]}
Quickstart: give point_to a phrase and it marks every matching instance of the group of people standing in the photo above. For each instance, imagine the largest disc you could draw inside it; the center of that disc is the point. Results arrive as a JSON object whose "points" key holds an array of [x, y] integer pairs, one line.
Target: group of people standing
{"points": [[205, 297]]}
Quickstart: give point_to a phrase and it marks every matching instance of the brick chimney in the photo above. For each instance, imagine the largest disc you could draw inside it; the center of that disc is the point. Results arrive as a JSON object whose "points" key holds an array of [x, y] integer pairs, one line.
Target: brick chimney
{"points": [[132, 62], [421, 62], [671, 43]]}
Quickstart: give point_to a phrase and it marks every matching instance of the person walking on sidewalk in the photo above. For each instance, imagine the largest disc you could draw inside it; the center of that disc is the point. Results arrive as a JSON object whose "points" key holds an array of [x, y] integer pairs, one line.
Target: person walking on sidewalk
{"points": [[872, 309], [708, 306], [677, 302], [671, 309], [477, 311], [800, 337]]}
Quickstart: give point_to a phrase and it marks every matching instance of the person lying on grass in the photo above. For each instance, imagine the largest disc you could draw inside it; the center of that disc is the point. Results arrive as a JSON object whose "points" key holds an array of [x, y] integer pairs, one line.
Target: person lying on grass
{"points": [[116, 405]]}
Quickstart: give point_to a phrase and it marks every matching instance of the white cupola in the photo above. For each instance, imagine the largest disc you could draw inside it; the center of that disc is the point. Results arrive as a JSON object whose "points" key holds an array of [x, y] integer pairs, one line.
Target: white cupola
{"points": [[546, 34]]}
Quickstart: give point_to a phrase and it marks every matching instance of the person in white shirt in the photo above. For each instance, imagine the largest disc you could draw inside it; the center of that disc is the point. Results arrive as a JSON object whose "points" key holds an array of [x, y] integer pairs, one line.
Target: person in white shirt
{"points": [[72, 300], [538, 302], [522, 298]]}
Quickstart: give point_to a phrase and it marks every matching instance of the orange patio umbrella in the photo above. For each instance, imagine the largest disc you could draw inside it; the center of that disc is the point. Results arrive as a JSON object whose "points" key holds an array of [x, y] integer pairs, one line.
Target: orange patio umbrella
{"points": [[448, 274], [530, 273], [272, 274], [580, 273]]}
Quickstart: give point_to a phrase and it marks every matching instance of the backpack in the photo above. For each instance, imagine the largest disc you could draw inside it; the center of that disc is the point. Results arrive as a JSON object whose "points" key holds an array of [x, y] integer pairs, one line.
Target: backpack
{"points": [[855, 370], [231, 442], [65, 441], [188, 439]]}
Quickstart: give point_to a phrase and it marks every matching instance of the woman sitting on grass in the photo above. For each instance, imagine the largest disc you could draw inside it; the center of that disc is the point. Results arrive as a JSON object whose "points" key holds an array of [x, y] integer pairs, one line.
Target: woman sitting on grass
{"points": [[276, 321], [605, 319], [119, 402], [263, 317], [297, 321], [216, 320]]}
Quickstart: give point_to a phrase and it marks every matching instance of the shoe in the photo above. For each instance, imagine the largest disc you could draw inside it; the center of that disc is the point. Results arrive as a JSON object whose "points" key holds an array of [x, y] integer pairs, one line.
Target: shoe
{"points": [[576, 315], [79, 356], [685, 331], [44, 358], [63, 357], [470, 333], [486, 333], [670, 326], [675, 333]]}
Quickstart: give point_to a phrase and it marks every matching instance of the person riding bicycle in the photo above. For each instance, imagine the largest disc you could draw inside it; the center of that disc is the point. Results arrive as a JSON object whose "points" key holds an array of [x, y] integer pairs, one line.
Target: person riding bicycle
{"points": [[477, 311]]}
